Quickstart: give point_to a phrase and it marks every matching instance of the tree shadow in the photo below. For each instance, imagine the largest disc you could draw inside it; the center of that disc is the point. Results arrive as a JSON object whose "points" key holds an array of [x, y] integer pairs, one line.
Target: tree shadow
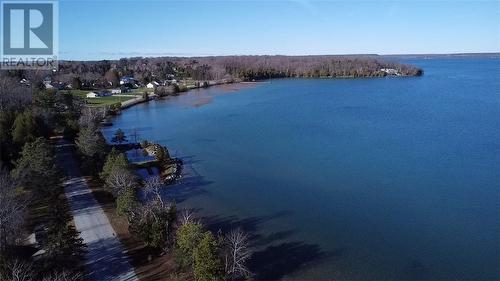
{"points": [[250, 225], [274, 262], [185, 188], [105, 261]]}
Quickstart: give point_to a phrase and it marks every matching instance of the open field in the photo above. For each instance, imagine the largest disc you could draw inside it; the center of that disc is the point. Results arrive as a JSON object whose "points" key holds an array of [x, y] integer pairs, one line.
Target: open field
{"points": [[102, 100]]}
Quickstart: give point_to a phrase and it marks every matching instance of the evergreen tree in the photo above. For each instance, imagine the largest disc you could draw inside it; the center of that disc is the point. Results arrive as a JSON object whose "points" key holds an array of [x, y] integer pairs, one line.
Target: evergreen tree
{"points": [[114, 159], [207, 265], [24, 128], [126, 202], [119, 136], [188, 237], [36, 167]]}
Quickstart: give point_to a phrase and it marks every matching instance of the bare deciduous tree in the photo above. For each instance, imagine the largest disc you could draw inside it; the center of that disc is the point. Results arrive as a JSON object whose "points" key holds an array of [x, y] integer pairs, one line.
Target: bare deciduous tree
{"points": [[120, 179], [91, 116], [64, 276], [187, 216], [11, 212], [152, 186], [17, 270], [237, 254]]}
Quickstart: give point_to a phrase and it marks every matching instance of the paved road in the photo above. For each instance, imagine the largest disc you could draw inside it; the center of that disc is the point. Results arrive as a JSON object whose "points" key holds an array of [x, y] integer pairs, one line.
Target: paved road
{"points": [[105, 258]]}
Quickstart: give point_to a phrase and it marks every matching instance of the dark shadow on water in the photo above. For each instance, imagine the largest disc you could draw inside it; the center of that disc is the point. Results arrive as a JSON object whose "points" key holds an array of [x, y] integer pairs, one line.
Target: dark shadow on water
{"points": [[264, 240], [249, 225], [186, 188], [274, 262], [274, 256]]}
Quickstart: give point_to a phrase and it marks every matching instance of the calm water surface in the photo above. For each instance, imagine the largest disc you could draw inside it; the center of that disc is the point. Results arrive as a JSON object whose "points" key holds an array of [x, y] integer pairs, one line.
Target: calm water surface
{"points": [[385, 178]]}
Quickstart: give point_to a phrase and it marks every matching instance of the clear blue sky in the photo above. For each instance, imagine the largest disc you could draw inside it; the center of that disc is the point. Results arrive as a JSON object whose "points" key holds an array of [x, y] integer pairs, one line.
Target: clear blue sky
{"points": [[112, 29]]}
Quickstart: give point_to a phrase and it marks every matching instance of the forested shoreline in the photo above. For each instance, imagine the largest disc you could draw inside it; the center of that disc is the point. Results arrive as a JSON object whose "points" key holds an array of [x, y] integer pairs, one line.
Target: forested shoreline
{"points": [[103, 73]]}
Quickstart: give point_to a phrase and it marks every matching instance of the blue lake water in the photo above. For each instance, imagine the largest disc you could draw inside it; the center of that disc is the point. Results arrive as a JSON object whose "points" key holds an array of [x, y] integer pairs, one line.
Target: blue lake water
{"points": [[383, 178]]}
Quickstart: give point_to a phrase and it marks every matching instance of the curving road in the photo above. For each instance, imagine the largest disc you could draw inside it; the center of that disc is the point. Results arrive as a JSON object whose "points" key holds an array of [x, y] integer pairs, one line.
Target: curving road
{"points": [[106, 258]]}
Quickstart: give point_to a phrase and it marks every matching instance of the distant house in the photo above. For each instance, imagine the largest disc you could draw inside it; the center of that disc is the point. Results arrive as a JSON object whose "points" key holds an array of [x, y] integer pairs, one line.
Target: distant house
{"points": [[98, 94], [54, 85], [390, 71], [24, 82], [116, 91], [92, 95], [127, 80], [48, 85], [152, 85]]}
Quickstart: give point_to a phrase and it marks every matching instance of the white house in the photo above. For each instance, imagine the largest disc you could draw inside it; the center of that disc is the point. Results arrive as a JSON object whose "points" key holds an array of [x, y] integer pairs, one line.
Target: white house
{"points": [[98, 94], [152, 85], [92, 95], [24, 81], [127, 80]]}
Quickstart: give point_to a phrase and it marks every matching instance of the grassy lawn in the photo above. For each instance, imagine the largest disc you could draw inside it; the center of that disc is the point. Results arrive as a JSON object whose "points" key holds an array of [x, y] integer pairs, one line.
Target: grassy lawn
{"points": [[102, 100], [141, 90], [106, 100]]}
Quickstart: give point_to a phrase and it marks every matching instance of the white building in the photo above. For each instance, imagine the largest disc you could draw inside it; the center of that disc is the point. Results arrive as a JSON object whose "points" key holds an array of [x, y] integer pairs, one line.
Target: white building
{"points": [[390, 71], [152, 85], [98, 94], [92, 95]]}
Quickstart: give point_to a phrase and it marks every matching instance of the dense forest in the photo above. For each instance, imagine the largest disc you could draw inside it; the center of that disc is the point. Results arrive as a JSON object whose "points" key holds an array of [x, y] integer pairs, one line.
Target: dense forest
{"points": [[107, 72]]}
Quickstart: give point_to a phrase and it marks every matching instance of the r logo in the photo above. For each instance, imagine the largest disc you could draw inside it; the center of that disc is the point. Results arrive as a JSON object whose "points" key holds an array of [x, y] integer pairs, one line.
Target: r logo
{"points": [[27, 28]]}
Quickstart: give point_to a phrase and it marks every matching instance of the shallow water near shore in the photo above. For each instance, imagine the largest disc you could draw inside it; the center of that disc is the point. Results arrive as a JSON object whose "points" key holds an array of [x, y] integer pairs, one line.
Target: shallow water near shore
{"points": [[382, 178]]}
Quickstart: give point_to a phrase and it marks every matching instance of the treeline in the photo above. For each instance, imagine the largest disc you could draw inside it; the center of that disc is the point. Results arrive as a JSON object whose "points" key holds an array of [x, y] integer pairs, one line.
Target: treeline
{"points": [[106, 73], [244, 67], [264, 67], [31, 191]]}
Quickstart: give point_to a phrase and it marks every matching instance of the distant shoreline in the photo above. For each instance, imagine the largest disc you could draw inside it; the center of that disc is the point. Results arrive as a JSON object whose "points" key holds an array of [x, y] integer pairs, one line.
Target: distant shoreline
{"points": [[416, 55], [152, 96]]}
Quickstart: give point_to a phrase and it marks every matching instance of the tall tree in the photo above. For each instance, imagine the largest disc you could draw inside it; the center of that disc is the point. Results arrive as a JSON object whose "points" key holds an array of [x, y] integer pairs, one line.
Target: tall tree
{"points": [[236, 254], [113, 159], [188, 237], [206, 262], [90, 142], [36, 167], [120, 179], [119, 136], [25, 127]]}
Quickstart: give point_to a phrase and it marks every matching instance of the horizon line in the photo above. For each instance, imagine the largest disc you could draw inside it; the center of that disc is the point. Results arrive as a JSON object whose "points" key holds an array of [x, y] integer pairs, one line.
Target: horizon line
{"points": [[282, 55]]}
